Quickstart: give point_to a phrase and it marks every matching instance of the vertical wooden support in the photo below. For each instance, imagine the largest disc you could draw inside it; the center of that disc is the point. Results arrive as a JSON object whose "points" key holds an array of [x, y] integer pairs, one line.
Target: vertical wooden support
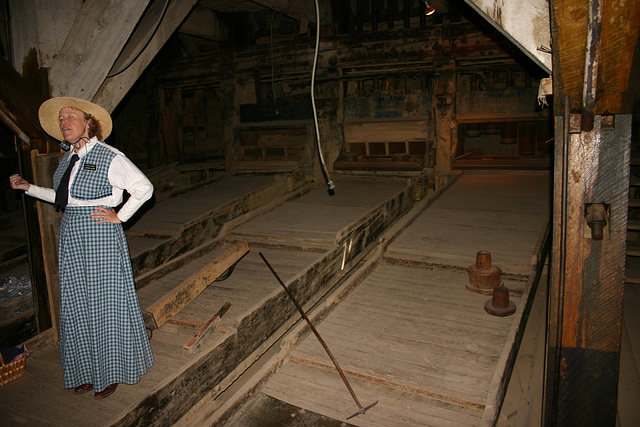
{"points": [[392, 7], [44, 165], [35, 245], [587, 275], [375, 14], [406, 13], [360, 15]]}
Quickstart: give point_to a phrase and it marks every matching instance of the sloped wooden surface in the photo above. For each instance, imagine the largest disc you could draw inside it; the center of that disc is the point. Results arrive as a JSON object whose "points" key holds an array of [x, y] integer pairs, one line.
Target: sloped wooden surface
{"points": [[411, 335], [316, 218], [499, 213]]}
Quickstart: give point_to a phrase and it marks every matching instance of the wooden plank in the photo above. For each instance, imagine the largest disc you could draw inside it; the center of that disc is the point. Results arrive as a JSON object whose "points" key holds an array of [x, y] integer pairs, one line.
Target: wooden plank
{"points": [[114, 88], [196, 341], [188, 290], [319, 389], [386, 131], [504, 220], [70, 73], [44, 167], [383, 343]]}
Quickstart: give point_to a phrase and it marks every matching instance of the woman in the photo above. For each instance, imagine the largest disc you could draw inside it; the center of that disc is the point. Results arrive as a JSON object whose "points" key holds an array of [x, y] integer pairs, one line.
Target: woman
{"points": [[103, 339]]}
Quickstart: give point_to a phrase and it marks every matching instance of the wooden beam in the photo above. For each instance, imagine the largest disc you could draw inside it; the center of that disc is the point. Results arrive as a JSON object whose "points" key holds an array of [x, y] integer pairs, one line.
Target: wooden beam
{"points": [[206, 24], [93, 44], [183, 294], [43, 166], [618, 37], [113, 89]]}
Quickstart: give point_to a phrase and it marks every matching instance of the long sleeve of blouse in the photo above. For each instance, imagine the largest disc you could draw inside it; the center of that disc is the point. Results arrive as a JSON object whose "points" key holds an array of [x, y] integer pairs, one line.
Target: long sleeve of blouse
{"points": [[123, 176]]}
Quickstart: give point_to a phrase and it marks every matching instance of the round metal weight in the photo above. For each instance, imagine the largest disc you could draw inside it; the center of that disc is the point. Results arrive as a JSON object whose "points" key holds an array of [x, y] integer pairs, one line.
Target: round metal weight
{"points": [[499, 304], [484, 277]]}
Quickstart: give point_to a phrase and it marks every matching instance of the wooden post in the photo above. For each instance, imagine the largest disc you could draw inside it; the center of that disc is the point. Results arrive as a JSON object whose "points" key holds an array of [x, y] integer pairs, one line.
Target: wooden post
{"points": [[587, 275]]}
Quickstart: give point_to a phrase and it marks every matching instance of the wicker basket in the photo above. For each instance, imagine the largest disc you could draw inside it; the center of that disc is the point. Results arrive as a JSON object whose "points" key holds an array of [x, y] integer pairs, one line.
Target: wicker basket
{"points": [[13, 370]]}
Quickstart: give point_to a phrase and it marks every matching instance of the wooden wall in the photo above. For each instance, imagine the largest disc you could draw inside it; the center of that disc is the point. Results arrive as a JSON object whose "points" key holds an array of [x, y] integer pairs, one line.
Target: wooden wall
{"points": [[248, 100]]}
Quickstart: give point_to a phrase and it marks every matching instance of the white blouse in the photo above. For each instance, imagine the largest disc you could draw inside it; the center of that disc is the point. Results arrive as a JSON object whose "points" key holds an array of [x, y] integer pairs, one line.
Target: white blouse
{"points": [[123, 176]]}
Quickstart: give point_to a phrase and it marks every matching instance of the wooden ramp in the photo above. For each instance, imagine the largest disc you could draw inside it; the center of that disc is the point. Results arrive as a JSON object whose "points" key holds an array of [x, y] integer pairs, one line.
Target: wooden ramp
{"points": [[316, 220], [179, 224], [410, 334]]}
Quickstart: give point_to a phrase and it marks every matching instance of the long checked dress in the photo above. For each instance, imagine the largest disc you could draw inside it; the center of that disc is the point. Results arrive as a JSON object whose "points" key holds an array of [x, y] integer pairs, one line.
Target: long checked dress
{"points": [[103, 339]]}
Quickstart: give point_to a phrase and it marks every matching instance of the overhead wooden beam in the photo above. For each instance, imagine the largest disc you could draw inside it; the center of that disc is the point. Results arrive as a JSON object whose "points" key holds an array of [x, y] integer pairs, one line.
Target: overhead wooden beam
{"points": [[113, 89], [524, 22], [619, 30], [205, 24], [298, 9], [92, 46]]}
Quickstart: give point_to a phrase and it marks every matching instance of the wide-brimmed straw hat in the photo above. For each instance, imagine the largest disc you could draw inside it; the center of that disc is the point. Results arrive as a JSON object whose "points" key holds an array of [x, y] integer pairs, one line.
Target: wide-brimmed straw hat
{"points": [[49, 115]]}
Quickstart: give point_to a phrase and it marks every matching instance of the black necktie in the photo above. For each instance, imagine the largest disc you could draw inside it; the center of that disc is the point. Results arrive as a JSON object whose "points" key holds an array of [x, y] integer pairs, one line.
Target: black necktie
{"points": [[62, 193]]}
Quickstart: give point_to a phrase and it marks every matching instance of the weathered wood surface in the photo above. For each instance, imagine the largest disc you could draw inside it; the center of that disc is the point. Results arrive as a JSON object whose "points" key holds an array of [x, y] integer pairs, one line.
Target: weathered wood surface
{"points": [[412, 336], [49, 223], [258, 309], [196, 341], [188, 290], [613, 64], [316, 219], [177, 225], [42, 382], [480, 212], [587, 275], [168, 217], [85, 50]]}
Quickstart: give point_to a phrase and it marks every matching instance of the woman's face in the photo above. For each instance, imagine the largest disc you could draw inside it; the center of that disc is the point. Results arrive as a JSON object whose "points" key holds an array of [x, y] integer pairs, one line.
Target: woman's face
{"points": [[73, 125]]}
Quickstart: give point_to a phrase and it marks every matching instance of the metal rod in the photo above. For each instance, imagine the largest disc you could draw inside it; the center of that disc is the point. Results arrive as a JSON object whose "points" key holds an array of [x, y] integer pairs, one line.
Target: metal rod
{"points": [[362, 409]]}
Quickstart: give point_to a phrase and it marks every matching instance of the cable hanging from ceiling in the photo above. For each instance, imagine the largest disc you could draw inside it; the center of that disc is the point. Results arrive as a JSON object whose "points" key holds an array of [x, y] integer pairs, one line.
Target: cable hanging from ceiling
{"points": [[146, 43], [330, 185]]}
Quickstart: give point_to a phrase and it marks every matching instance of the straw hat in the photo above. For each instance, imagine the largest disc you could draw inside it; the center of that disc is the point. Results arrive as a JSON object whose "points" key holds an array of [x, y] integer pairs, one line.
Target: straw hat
{"points": [[49, 115]]}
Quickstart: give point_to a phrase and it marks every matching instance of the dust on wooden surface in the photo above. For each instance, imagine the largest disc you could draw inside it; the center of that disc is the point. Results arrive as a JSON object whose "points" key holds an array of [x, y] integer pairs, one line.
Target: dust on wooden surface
{"points": [[412, 336]]}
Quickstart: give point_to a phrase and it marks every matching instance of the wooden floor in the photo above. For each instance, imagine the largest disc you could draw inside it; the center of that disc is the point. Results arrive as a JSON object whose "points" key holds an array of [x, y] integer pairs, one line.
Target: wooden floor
{"points": [[408, 334], [411, 336], [38, 397]]}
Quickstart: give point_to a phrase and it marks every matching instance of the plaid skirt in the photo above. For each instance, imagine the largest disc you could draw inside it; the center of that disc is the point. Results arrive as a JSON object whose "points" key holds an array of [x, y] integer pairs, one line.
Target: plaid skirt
{"points": [[103, 339]]}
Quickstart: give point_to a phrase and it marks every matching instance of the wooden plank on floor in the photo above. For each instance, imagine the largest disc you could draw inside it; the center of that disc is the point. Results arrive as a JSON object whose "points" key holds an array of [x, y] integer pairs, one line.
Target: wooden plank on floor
{"points": [[317, 217], [409, 327], [170, 215], [502, 214], [322, 391]]}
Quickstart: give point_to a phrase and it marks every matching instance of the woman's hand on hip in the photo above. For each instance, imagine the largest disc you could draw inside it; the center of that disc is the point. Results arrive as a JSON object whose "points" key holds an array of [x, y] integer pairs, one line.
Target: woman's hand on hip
{"points": [[105, 215]]}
